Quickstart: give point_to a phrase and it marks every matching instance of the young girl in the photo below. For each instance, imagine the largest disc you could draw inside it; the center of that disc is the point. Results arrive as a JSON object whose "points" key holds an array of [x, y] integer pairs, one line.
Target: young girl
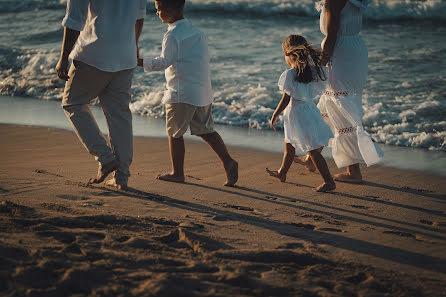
{"points": [[303, 123]]}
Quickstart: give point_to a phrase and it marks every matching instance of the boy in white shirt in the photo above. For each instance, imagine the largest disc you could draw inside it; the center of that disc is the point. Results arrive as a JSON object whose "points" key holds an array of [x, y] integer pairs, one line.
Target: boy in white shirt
{"points": [[188, 98]]}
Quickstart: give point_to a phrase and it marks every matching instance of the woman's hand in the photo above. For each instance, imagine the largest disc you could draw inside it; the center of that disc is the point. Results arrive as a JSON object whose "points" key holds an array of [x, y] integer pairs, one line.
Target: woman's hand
{"points": [[325, 59], [273, 122]]}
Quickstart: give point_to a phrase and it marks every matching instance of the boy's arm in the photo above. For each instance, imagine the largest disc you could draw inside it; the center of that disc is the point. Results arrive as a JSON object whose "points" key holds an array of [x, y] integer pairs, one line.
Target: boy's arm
{"points": [[280, 108], [167, 58]]}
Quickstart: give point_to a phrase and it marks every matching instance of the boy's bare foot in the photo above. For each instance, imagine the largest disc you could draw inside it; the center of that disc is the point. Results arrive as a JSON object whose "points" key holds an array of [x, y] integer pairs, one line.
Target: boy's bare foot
{"points": [[231, 174], [104, 170], [305, 161], [348, 178], [276, 174], [171, 178], [325, 187]]}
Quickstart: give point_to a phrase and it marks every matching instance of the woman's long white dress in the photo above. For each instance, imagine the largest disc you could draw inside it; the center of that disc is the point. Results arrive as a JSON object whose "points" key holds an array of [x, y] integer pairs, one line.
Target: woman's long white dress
{"points": [[341, 104]]}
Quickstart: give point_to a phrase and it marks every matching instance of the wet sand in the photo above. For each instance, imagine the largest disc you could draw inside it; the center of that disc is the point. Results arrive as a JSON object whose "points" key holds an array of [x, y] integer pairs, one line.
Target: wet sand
{"points": [[60, 236]]}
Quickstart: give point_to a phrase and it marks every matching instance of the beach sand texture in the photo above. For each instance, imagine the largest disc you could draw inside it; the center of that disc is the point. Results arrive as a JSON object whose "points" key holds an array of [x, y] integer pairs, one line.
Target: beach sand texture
{"points": [[60, 236]]}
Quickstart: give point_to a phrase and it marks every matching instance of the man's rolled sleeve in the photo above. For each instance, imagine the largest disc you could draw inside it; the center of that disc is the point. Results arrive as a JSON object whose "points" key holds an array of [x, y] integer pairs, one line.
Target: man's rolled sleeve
{"points": [[141, 9], [76, 14]]}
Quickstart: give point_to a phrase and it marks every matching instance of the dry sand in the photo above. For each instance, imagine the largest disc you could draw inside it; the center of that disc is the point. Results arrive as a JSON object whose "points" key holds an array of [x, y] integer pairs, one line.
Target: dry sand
{"points": [[60, 236]]}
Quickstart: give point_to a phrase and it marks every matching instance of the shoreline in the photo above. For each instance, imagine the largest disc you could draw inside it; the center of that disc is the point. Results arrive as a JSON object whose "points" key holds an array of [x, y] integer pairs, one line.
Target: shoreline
{"points": [[43, 113], [387, 235]]}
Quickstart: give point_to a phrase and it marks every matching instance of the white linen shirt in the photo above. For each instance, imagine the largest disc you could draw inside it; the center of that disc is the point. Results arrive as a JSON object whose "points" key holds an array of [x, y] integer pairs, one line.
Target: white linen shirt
{"points": [[185, 59], [107, 39]]}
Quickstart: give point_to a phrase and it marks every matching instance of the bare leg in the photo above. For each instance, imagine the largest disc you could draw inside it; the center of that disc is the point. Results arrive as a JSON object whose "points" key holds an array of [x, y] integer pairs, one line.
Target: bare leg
{"points": [[322, 167], [353, 175], [287, 160], [215, 141], [177, 150], [306, 161]]}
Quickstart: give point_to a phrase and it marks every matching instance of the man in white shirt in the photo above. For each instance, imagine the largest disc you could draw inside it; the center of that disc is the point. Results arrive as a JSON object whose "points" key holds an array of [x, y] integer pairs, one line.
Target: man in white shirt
{"points": [[188, 98], [104, 57]]}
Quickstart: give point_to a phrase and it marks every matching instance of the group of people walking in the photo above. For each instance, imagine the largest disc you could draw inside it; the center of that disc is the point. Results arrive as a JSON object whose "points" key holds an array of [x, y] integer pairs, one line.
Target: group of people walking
{"points": [[101, 37]]}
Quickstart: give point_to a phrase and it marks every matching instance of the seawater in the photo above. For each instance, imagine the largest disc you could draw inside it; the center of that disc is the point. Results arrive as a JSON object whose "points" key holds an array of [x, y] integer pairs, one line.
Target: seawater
{"points": [[404, 100]]}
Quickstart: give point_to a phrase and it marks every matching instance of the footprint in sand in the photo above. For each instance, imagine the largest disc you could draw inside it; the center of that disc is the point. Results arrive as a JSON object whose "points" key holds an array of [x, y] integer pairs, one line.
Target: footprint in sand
{"points": [[43, 171], [238, 207], [427, 222], [330, 229], [409, 235], [359, 206], [72, 197]]}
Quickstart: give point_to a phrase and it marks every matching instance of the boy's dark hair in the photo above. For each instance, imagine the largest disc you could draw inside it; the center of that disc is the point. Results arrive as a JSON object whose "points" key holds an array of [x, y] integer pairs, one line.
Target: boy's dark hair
{"points": [[176, 4], [304, 58]]}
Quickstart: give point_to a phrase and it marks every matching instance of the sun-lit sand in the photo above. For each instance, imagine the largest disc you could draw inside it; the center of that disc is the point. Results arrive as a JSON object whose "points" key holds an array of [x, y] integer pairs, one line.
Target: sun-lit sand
{"points": [[60, 236]]}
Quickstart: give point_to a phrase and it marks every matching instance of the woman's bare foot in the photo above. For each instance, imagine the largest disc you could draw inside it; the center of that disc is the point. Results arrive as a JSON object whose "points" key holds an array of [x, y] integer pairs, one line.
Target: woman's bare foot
{"points": [[171, 178], [305, 161], [347, 177], [276, 174], [325, 187], [231, 174]]}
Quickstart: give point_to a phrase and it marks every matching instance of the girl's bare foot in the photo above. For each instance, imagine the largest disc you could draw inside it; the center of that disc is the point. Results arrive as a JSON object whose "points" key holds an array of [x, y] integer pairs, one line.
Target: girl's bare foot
{"points": [[276, 174], [171, 178], [305, 161], [347, 177], [325, 187], [231, 174]]}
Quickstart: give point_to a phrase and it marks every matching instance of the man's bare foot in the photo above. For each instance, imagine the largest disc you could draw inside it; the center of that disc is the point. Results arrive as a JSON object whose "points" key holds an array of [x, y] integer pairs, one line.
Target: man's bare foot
{"points": [[276, 174], [120, 186], [305, 161], [231, 174], [171, 178], [104, 170], [325, 187], [348, 178]]}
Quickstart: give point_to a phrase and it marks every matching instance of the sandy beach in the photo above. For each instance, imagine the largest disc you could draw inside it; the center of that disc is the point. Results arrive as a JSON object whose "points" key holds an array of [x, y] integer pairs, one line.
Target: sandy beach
{"points": [[60, 236]]}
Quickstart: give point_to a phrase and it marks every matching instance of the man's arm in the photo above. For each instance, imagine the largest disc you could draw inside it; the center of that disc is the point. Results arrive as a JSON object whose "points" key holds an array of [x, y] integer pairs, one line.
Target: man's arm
{"points": [[69, 39], [333, 10], [138, 29]]}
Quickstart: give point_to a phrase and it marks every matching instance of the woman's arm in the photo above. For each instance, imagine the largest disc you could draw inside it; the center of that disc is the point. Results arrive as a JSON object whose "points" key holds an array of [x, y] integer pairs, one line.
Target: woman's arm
{"points": [[282, 105], [333, 10]]}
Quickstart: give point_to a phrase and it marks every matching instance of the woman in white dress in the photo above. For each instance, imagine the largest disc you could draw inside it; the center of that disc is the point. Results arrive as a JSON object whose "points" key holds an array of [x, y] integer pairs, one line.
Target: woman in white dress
{"points": [[345, 54]]}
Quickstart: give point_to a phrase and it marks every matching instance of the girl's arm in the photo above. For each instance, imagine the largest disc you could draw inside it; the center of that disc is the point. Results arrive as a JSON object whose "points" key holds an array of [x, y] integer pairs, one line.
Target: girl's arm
{"points": [[168, 56], [282, 105], [333, 10]]}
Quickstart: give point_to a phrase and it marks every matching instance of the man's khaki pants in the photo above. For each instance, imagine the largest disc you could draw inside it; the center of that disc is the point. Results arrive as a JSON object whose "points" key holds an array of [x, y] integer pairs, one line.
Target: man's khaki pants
{"points": [[113, 90]]}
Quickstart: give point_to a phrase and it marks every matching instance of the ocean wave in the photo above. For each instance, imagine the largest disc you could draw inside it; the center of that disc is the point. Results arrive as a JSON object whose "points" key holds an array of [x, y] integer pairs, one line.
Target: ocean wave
{"points": [[377, 10]]}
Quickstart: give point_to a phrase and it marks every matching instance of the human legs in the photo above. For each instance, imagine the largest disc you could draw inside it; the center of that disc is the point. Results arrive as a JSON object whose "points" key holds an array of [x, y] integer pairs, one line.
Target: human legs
{"points": [[215, 141], [306, 160], [288, 156], [86, 83], [115, 101], [352, 175], [177, 151], [322, 167]]}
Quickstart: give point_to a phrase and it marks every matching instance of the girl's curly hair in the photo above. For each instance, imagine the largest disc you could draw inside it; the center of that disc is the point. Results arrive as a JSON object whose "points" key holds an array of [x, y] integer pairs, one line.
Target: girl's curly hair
{"points": [[304, 58]]}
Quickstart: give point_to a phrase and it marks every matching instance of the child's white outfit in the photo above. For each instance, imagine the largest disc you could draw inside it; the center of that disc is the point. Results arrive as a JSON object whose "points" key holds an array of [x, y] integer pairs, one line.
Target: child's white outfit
{"points": [[185, 59], [304, 126]]}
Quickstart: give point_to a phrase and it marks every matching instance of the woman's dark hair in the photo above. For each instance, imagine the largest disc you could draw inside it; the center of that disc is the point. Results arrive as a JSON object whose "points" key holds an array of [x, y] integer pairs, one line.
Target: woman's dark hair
{"points": [[304, 58]]}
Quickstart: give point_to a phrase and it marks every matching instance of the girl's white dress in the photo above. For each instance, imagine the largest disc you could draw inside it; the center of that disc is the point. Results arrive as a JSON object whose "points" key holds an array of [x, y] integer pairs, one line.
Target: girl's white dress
{"points": [[302, 121], [341, 105]]}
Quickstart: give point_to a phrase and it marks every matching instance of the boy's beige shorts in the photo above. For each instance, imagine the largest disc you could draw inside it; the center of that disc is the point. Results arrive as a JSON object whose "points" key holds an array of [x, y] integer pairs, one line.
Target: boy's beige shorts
{"points": [[180, 116]]}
